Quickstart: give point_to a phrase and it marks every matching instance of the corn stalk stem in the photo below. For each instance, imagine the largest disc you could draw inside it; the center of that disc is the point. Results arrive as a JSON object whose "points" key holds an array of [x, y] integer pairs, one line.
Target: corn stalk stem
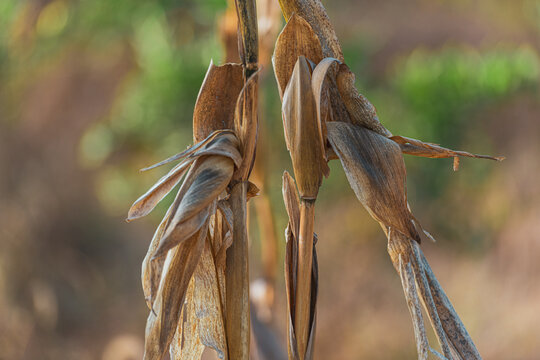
{"points": [[237, 279], [303, 288], [247, 23]]}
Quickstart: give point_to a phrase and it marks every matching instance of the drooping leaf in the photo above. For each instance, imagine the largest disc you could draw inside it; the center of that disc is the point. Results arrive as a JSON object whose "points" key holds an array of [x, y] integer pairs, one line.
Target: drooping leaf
{"points": [[147, 202], [162, 324], [376, 172], [210, 177], [190, 150], [302, 132], [429, 150], [296, 39], [214, 109]]}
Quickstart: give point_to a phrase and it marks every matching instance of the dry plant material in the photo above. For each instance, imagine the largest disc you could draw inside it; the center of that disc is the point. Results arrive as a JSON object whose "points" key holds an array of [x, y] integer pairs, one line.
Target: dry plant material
{"points": [[195, 272], [333, 114]]}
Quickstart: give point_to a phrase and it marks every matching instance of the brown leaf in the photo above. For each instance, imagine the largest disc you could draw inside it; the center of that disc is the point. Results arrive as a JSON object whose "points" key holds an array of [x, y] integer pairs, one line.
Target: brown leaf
{"points": [[161, 325], [225, 144], [361, 111], [151, 270], [296, 39], [210, 177], [147, 202], [302, 132], [429, 150], [321, 85], [291, 264], [292, 203], [314, 13], [376, 172], [190, 150], [214, 109], [246, 124], [208, 304]]}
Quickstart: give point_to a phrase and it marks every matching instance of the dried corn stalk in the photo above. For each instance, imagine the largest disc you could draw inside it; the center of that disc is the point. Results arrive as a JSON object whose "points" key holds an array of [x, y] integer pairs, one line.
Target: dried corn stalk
{"points": [[326, 118], [194, 275]]}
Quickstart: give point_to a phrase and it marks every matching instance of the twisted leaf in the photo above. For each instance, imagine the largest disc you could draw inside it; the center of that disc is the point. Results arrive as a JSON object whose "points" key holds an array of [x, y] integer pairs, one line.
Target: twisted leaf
{"points": [[376, 172]]}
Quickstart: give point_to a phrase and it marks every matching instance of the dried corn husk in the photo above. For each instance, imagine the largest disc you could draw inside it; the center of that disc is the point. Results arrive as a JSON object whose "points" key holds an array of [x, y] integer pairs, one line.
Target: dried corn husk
{"points": [[376, 172], [292, 205], [303, 135]]}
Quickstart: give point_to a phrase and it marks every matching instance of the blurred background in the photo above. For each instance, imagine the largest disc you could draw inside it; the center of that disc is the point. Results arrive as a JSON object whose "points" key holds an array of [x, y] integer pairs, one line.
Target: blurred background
{"points": [[92, 91]]}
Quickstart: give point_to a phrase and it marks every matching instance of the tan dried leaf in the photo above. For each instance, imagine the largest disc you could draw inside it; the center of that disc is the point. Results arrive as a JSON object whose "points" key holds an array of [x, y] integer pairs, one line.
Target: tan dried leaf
{"points": [[210, 177], [296, 39], [292, 202], [162, 324], [302, 132], [214, 109], [147, 202], [376, 172], [246, 124], [429, 150]]}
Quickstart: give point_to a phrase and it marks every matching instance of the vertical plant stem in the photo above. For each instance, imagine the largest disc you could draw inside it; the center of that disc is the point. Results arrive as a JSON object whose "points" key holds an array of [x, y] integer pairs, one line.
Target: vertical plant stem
{"points": [[303, 289], [237, 279], [247, 21]]}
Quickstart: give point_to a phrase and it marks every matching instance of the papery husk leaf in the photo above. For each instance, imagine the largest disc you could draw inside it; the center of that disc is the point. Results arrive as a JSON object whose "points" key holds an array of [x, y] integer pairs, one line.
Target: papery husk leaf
{"points": [[214, 109], [361, 111], [314, 13], [409, 289], [291, 264], [449, 330], [419, 148], [292, 201], [208, 304], [187, 344], [151, 270], [162, 324], [210, 177], [246, 124], [376, 172], [152, 267], [147, 202], [190, 150], [296, 39], [292, 204], [321, 84], [183, 230], [225, 144], [302, 132]]}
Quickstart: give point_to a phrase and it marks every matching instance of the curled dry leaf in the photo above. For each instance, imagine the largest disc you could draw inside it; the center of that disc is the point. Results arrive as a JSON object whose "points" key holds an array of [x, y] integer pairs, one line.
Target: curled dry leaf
{"points": [[296, 39], [246, 124], [161, 325], [147, 202], [424, 149], [376, 172], [214, 109], [303, 135], [203, 185]]}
